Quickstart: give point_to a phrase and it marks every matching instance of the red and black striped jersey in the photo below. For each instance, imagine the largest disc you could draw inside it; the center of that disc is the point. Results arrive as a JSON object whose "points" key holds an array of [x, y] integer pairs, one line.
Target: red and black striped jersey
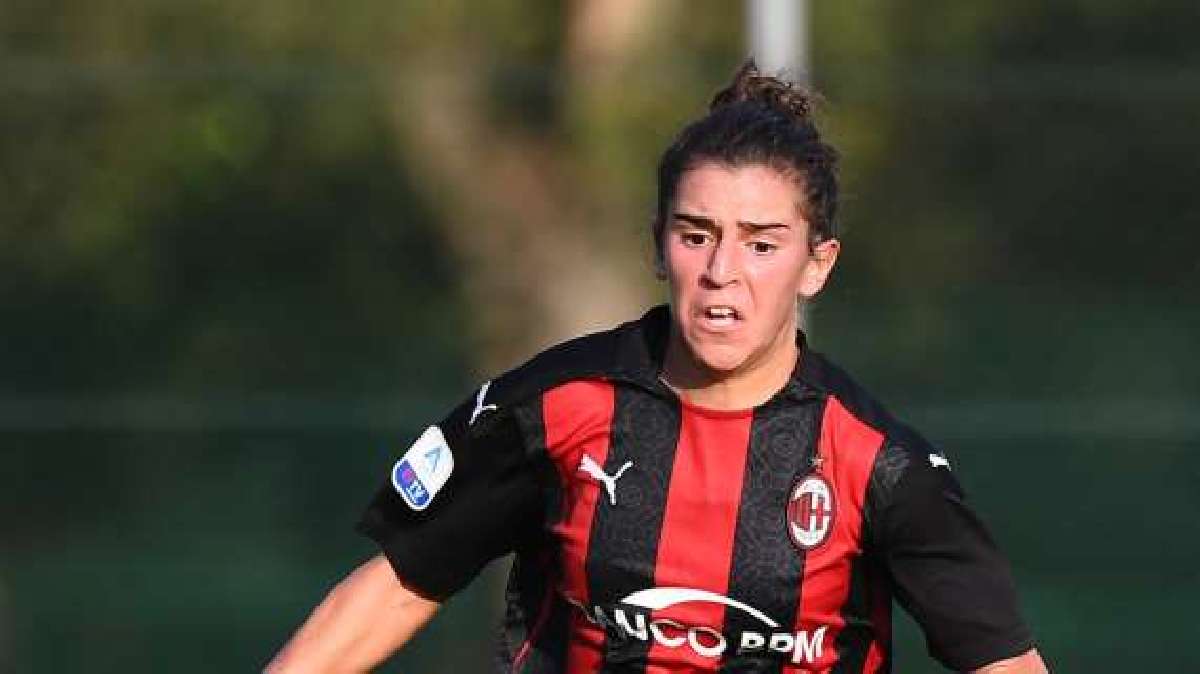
{"points": [[655, 536]]}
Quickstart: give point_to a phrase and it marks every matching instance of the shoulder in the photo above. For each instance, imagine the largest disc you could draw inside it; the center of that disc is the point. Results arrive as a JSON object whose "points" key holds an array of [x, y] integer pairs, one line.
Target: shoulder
{"points": [[624, 353], [853, 407], [855, 417], [508, 410], [907, 480]]}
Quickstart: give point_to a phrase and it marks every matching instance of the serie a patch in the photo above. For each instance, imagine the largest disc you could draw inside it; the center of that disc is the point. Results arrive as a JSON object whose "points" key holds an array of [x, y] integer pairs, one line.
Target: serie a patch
{"points": [[424, 469]]}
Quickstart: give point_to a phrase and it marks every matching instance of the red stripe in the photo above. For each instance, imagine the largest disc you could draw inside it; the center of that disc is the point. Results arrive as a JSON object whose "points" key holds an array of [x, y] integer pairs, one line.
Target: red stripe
{"points": [[847, 449], [695, 547], [578, 419]]}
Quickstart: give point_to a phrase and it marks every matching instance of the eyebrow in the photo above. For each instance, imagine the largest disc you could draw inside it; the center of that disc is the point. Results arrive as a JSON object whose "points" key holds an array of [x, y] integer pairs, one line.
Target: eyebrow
{"points": [[709, 223]]}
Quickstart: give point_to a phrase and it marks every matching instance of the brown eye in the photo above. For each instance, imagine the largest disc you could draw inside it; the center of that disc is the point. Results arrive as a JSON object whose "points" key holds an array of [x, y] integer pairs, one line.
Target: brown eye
{"points": [[694, 238], [762, 247]]}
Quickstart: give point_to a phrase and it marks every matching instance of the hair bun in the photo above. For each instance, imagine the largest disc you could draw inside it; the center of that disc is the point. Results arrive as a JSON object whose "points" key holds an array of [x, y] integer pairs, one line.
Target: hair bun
{"points": [[751, 85]]}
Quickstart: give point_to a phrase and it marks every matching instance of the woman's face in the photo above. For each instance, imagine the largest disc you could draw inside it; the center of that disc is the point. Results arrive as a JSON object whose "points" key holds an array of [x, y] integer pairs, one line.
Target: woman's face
{"points": [[737, 257]]}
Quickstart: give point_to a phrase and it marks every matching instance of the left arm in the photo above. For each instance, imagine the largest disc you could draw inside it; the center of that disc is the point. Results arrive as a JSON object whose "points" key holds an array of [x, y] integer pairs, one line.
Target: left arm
{"points": [[945, 568]]}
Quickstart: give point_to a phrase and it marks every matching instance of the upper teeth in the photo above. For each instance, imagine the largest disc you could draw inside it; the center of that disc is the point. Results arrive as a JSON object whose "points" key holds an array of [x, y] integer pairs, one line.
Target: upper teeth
{"points": [[720, 312]]}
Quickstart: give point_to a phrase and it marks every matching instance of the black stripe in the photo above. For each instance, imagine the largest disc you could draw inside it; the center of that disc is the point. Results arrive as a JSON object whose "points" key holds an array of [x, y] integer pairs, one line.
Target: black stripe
{"points": [[890, 465], [767, 567], [556, 639], [623, 544], [880, 595], [530, 585], [549, 655], [519, 604], [533, 577], [858, 632]]}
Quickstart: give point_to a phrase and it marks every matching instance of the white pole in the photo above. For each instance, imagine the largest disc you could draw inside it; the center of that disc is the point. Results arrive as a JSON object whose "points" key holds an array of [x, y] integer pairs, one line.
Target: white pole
{"points": [[777, 33], [777, 37]]}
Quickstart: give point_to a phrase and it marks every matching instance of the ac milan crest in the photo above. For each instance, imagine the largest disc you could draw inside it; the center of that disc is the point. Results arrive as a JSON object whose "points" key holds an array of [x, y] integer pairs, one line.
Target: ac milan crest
{"points": [[810, 511]]}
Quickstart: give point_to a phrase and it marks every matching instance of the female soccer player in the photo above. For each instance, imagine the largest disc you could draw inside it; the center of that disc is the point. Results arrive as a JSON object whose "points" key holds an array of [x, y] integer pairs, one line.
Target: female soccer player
{"points": [[696, 490]]}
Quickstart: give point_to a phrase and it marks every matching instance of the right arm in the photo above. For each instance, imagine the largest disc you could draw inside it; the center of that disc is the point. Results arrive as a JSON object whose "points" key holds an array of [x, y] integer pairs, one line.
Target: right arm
{"points": [[475, 495], [362, 621]]}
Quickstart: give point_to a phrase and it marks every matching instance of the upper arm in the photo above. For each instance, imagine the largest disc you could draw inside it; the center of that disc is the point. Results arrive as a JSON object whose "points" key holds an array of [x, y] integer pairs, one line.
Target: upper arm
{"points": [[360, 623], [463, 494], [484, 502], [944, 566]]}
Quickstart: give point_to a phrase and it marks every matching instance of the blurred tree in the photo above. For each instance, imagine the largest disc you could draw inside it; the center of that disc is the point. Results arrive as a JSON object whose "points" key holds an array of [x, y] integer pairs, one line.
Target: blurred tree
{"points": [[197, 199], [539, 128]]}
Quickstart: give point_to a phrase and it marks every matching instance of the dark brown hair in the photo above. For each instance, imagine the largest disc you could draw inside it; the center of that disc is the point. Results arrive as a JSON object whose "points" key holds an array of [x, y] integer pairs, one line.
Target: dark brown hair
{"points": [[757, 120]]}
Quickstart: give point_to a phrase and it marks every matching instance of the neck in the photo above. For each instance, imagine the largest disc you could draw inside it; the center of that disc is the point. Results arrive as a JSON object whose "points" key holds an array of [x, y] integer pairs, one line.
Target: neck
{"points": [[750, 385]]}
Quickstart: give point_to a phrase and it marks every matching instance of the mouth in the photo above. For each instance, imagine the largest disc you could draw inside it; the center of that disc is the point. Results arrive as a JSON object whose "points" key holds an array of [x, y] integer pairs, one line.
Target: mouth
{"points": [[719, 316]]}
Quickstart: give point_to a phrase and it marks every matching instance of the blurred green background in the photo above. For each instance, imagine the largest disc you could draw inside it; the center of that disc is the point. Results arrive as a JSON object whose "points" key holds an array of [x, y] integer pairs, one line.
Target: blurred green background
{"points": [[247, 250]]}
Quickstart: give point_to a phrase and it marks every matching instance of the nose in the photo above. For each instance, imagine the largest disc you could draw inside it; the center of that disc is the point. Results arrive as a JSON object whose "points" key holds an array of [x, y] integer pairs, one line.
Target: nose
{"points": [[722, 268]]}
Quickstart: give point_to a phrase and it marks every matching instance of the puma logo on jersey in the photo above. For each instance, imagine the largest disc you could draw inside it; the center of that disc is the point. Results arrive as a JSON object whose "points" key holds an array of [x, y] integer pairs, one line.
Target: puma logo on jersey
{"points": [[588, 465], [480, 408], [936, 460]]}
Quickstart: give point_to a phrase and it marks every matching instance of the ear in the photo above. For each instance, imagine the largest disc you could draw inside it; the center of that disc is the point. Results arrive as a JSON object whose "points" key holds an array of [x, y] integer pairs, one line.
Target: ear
{"points": [[818, 267]]}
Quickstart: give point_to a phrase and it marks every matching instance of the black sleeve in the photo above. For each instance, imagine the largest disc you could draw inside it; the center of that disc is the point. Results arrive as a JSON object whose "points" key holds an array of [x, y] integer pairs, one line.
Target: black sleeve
{"points": [[944, 566], [437, 538]]}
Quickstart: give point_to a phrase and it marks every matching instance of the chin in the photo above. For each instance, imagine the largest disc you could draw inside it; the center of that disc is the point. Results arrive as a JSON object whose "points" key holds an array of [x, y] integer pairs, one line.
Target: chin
{"points": [[719, 360]]}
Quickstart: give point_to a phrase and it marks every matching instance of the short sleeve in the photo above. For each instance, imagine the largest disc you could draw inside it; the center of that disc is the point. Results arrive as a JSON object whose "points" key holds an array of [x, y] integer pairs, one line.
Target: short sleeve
{"points": [[462, 495], [944, 566]]}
